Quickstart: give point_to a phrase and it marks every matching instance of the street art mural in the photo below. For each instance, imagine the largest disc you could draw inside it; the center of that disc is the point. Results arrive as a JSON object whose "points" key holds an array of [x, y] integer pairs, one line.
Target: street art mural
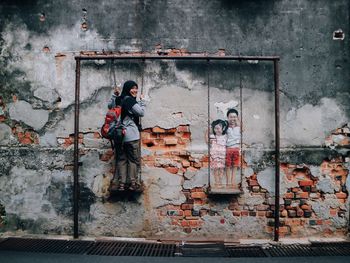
{"points": [[225, 149]]}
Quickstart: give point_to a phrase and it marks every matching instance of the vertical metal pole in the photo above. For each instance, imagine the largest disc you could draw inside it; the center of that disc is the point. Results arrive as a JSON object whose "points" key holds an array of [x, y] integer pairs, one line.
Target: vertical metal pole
{"points": [[277, 150], [76, 151], [208, 133], [241, 121]]}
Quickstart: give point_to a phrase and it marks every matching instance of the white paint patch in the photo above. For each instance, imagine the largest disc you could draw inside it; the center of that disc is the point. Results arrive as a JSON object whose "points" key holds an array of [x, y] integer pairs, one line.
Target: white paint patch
{"points": [[257, 117], [223, 107]]}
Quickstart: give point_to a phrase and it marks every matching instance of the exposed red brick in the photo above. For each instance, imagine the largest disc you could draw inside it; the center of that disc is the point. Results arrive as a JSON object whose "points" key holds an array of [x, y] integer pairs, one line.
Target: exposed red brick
{"points": [[175, 222], [186, 135], [26, 141], [172, 170], [296, 189], [170, 141], [253, 183], [146, 131], [187, 206], [185, 163], [341, 195], [269, 229], [261, 213], [292, 221], [194, 223], [283, 230], [333, 212], [205, 158], [306, 183], [199, 201], [236, 213], [303, 195], [284, 213], [172, 130], [289, 195], [197, 164], [106, 156], [245, 213], [198, 195], [158, 130], [343, 201], [184, 223], [27, 134], [269, 214], [305, 207], [183, 128], [300, 212], [187, 213]]}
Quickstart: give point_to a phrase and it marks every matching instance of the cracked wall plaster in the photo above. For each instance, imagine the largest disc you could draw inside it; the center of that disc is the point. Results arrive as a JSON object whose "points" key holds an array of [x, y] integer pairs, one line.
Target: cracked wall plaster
{"points": [[163, 187], [50, 73], [23, 193], [266, 179], [200, 179], [327, 185], [309, 125], [23, 111], [6, 136]]}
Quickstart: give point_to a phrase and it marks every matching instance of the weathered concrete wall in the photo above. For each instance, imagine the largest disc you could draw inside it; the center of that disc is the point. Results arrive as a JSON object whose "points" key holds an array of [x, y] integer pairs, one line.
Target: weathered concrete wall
{"points": [[37, 75]]}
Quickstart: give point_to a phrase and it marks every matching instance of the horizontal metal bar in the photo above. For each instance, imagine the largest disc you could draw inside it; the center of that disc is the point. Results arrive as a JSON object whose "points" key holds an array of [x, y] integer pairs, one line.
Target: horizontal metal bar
{"points": [[185, 57]]}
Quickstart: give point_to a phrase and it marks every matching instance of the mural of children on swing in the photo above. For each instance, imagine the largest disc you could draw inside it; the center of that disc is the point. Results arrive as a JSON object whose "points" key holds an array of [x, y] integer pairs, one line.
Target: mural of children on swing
{"points": [[225, 140]]}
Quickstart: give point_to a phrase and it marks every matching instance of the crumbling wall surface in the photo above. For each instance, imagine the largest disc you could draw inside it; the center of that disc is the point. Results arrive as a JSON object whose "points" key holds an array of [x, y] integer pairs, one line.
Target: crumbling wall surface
{"points": [[38, 42]]}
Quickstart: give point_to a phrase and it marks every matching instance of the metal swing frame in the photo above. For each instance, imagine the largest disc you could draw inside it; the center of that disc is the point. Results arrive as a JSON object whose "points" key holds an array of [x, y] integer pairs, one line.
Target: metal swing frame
{"points": [[118, 56]]}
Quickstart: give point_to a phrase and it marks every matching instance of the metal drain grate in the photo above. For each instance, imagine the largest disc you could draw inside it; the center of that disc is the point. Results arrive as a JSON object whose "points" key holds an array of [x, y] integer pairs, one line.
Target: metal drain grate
{"points": [[290, 251], [331, 249], [203, 250], [143, 249], [318, 249], [46, 245], [240, 252], [112, 248]]}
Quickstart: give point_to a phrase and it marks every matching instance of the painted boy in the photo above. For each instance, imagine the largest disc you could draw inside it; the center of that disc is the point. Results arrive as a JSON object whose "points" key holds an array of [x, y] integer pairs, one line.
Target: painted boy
{"points": [[233, 144]]}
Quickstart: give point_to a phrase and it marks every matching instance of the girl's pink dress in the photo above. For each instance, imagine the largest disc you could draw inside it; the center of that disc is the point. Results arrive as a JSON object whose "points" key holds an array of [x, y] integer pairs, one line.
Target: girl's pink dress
{"points": [[217, 151]]}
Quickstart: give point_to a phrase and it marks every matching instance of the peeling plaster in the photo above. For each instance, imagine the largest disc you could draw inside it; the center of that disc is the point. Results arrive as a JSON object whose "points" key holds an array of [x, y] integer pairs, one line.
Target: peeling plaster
{"points": [[309, 125], [163, 187], [321, 208], [327, 185], [266, 179], [23, 111], [44, 70], [200, 179], [22, 192], [6, 136]]}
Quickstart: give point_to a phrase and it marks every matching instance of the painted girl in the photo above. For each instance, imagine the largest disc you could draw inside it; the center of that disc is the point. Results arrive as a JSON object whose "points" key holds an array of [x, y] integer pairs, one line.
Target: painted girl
{"points": [[218, 140]]}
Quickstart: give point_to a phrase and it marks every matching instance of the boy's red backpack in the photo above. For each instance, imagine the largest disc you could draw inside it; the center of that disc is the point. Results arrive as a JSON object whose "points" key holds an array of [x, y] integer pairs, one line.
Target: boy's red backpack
{"points": [[112, 127]]}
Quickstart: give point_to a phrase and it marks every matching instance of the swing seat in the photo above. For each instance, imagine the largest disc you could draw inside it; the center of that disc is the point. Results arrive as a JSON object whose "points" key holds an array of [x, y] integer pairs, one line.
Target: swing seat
{"points": [[224, 191], [115, 189]]}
